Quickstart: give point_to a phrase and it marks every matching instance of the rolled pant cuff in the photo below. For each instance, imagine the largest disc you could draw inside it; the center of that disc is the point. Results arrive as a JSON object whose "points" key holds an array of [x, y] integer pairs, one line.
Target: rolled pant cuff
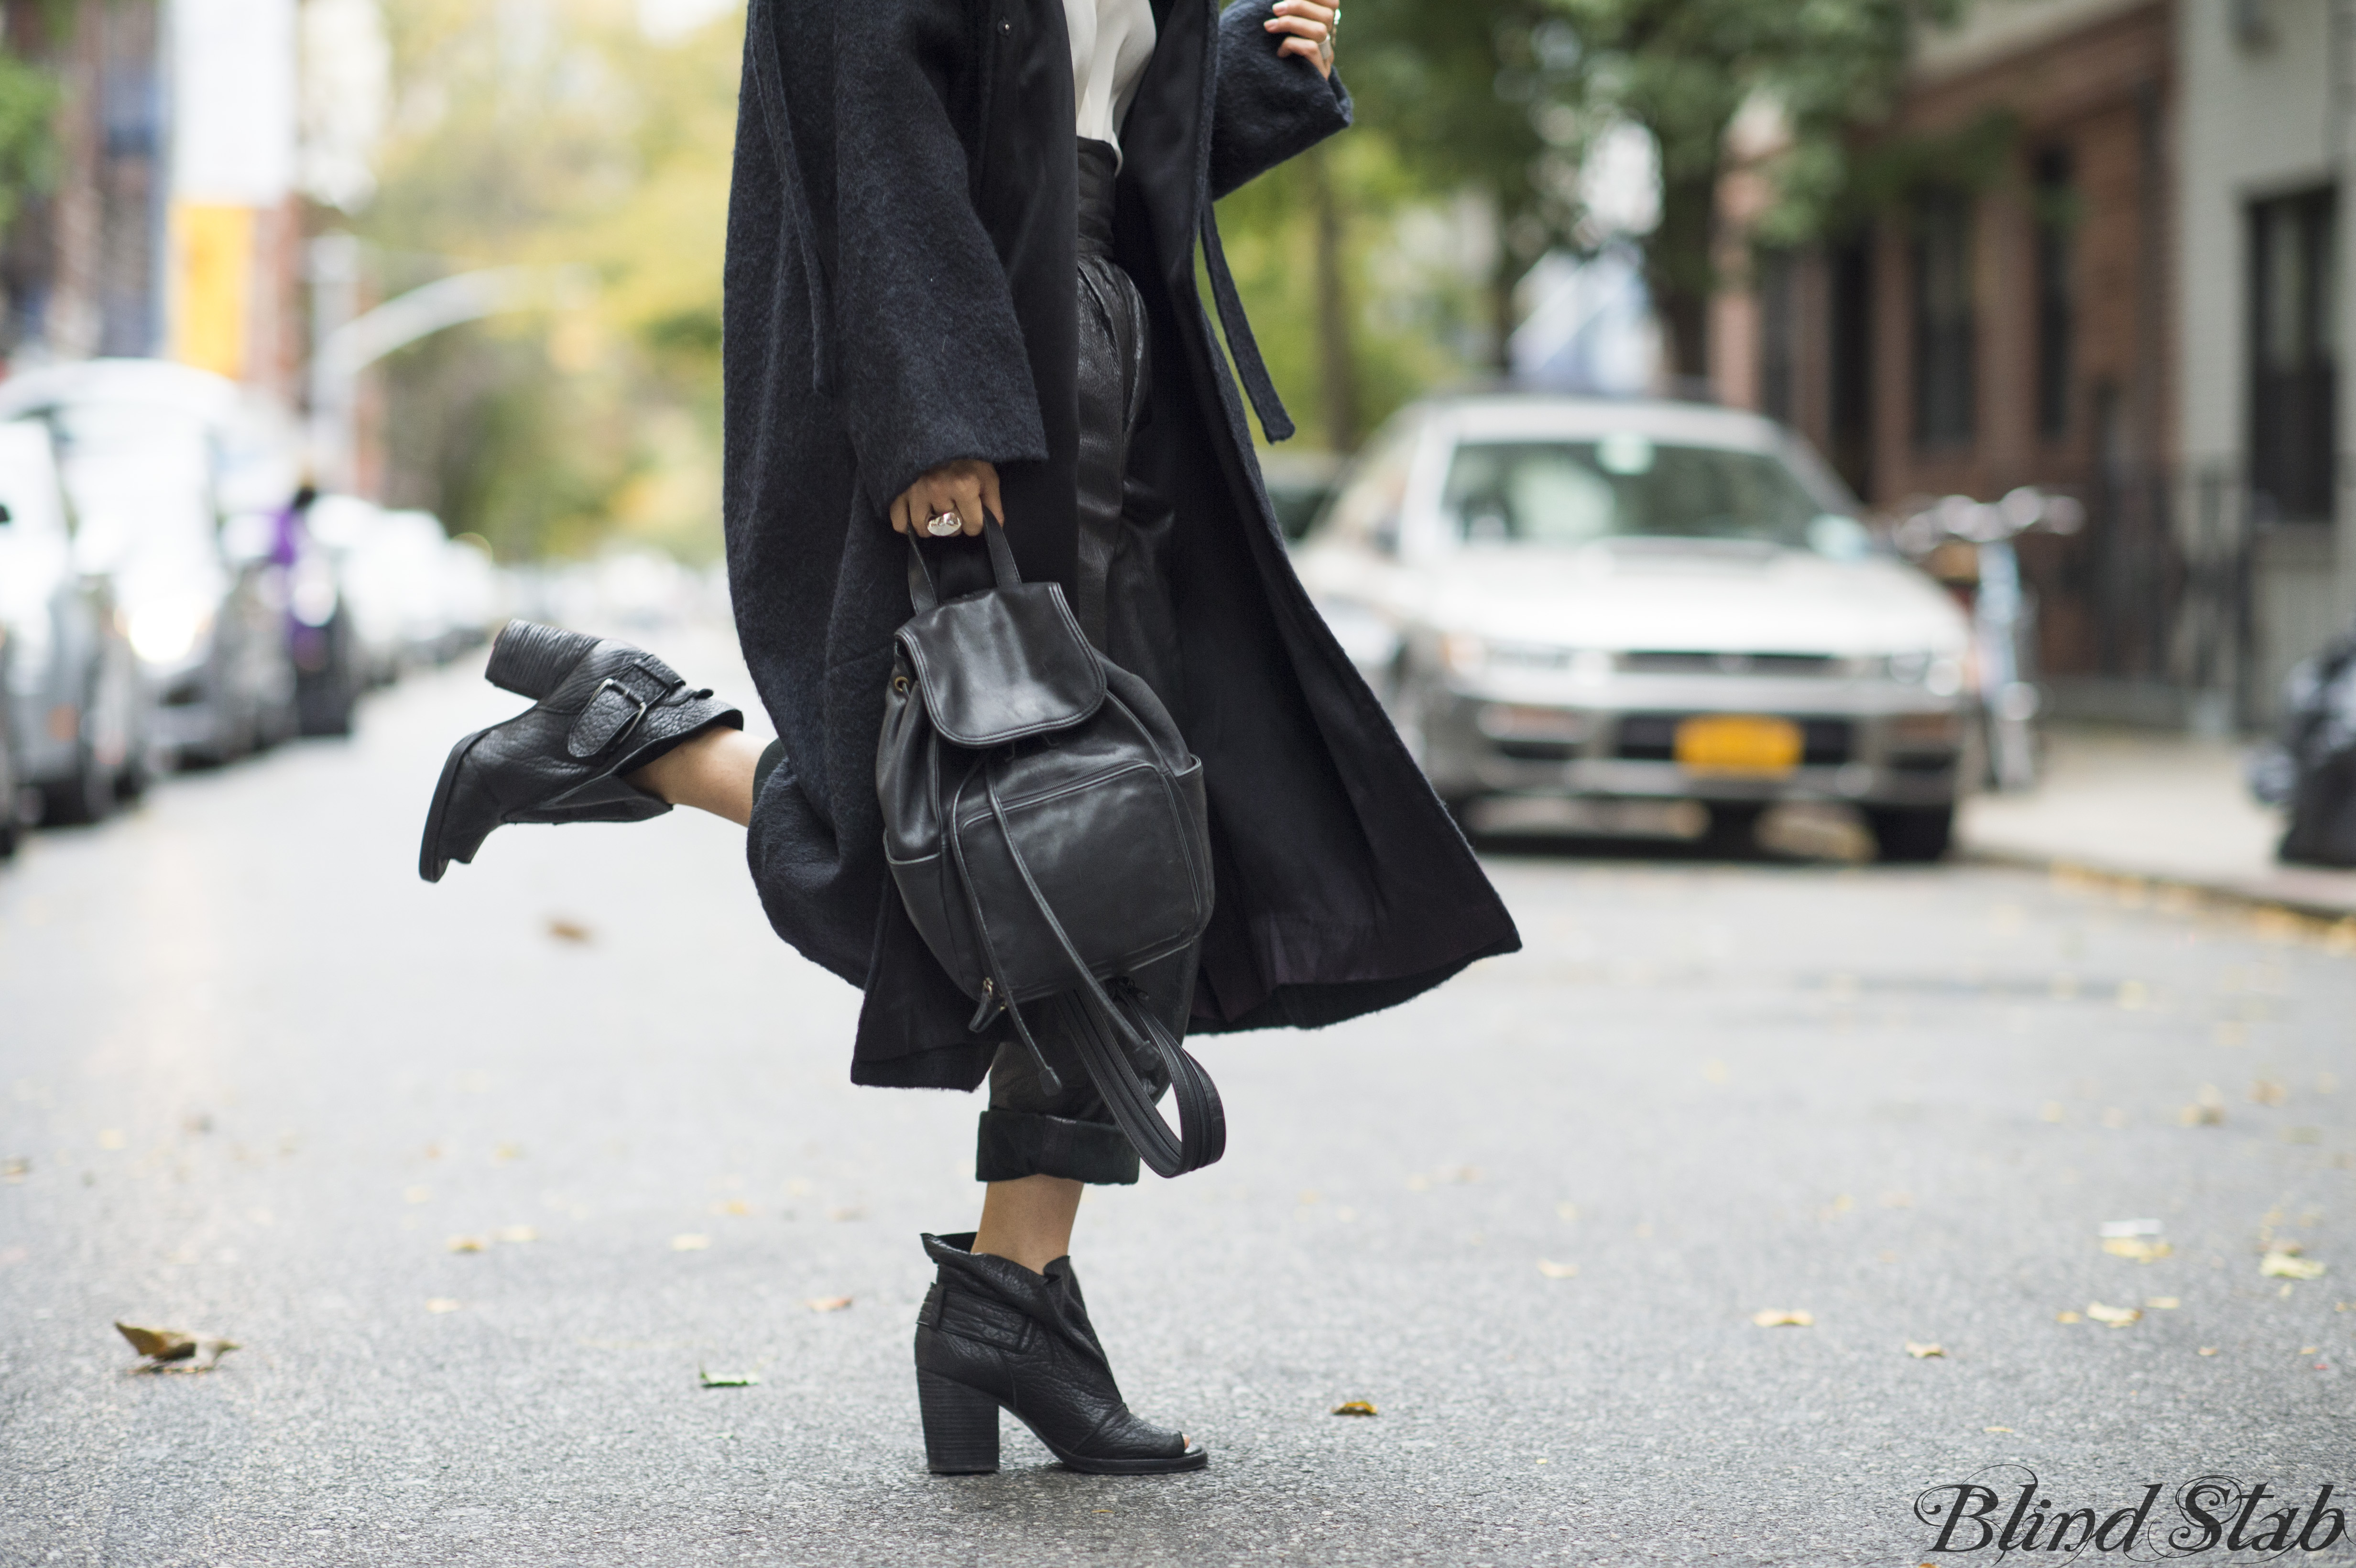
{"points": [[1016, 1144]]}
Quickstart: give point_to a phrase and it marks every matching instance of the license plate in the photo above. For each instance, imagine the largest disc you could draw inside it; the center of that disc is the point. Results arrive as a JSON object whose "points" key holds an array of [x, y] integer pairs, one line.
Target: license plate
{"points": [[1740, 744]]}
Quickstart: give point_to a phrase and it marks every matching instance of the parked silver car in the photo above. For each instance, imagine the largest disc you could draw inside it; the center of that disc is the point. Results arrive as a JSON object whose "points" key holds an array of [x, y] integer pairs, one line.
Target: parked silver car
{"points": [[69, 696], [1619, 601], [160, 462]]}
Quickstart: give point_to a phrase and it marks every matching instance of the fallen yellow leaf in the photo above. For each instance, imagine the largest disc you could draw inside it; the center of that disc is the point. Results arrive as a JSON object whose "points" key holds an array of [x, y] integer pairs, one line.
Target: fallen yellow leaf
{"points": [[689, 1244], [2067, 1317], [2134, 1247], [175, 1350], [732, 1206], [518, 1233], [827, 1303], [568, 930], [442, 1304], [1354, 1407], [2289, 1265], [469, 1244], [2207, 1349], [2163, 1303], [1557, 1271], [1996, 1429], [1923, 1352], [2117, 1317], [1778, 1317]]}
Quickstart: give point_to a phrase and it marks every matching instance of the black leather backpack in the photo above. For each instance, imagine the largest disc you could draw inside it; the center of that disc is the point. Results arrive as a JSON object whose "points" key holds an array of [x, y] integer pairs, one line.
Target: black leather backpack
{"points": [[1046, 826]]}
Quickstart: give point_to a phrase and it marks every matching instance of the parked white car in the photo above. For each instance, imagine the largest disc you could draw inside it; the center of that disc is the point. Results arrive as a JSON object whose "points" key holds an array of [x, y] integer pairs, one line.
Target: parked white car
{"points": [[1621, 600], [159, 461], [69, 692]]}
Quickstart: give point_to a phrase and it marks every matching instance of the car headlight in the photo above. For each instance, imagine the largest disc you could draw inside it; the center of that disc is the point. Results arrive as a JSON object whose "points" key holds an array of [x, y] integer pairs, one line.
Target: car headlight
{"points": [[1462, 653], [166, 631], [1940, 675]]}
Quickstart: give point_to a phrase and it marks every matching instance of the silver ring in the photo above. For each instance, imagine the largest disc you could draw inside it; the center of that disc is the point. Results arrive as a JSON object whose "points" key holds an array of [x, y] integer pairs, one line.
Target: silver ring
{"points": [[941, 524]]}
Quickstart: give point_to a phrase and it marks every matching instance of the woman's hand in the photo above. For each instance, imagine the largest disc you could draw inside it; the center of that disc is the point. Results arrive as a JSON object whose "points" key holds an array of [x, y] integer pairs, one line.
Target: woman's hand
{"points": [[964, 486], [1311, 26]]}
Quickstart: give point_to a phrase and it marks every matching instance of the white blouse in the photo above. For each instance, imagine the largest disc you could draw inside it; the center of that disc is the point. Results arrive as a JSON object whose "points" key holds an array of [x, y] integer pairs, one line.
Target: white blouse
{"points": [[1111, 41]]}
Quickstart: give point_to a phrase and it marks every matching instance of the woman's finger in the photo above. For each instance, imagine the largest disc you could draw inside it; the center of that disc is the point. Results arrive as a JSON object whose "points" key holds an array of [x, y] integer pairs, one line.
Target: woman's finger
{"points": [[900, 513], [965, 495], [1316, 54], [989, 495]]}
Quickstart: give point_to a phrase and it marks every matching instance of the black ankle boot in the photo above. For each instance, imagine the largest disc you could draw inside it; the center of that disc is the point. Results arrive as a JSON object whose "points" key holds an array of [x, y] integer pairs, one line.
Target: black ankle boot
{"points": [[603, 709], [993, 1334]]}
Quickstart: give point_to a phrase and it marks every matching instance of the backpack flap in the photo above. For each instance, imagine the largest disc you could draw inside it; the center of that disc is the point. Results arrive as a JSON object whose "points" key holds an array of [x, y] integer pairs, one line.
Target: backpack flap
{"points": [[1002, 665]]}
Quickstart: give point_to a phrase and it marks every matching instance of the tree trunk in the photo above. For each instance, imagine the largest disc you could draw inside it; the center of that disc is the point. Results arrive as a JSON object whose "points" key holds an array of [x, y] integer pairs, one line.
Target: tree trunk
{"points": [[1680, 270], [1503, 278], [1337, 361]]}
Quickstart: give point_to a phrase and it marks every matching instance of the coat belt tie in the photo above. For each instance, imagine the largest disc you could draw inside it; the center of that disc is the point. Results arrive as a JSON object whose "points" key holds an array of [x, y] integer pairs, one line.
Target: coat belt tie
{"points": [[1273, 421]]}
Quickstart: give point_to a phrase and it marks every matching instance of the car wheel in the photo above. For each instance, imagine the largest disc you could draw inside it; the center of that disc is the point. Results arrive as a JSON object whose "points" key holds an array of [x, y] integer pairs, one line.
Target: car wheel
{"points": [[11, 809], [1911, 835], [86, 795]]}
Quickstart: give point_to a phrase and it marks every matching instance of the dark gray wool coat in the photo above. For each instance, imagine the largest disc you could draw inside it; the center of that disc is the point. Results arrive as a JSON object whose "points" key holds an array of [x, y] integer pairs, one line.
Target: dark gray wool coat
{"points": [[900, 292]]}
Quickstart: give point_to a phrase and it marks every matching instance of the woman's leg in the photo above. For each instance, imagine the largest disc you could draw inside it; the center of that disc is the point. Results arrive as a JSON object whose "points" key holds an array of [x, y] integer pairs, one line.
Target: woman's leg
{"points": [[1028, 1220], [712, 773]]}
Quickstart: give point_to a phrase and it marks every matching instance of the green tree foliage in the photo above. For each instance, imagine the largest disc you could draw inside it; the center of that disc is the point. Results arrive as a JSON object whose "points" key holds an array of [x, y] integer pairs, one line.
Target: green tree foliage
{"points": [[1355, 281], [1506, 96], [558, 134], [1458, 88], [1682, 69], [29, 106]]}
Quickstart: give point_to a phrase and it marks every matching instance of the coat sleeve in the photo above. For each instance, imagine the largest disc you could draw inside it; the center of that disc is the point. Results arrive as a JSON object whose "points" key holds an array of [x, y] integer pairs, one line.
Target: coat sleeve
{"points": [[1269, 107], [930, 353]]}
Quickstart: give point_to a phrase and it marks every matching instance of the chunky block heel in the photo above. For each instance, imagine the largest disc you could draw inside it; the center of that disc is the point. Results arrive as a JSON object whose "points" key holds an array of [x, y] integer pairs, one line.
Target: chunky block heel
{"points": [[960, 1427], [532, 660]]}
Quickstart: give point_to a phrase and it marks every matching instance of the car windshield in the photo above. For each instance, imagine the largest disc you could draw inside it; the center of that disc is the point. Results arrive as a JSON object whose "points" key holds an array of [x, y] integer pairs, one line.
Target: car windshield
{"points": [[1623, 486]]}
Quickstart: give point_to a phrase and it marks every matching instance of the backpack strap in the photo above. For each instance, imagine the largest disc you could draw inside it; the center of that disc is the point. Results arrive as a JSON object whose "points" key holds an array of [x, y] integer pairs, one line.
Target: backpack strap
{"points": [[1202, 1137]]}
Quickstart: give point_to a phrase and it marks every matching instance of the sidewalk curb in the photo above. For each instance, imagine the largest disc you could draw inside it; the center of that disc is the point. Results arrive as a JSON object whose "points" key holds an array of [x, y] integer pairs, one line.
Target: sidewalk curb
{"points": [[2260, 893]]}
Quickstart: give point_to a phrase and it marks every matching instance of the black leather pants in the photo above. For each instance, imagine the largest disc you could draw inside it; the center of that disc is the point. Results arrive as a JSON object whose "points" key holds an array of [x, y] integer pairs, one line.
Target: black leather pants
{"points": [[1122, 599]]}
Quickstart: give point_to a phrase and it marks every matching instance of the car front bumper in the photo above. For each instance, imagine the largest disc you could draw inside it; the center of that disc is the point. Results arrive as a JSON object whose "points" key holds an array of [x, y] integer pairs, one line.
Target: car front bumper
{"points": [[1879, 744]]}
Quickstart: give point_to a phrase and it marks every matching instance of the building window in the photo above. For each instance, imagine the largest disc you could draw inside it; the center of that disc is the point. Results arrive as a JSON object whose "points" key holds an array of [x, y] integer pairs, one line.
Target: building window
{"points": [[2294, 376], [2057, 313], [1848, 380], [1777, 335], [1944, 340]]}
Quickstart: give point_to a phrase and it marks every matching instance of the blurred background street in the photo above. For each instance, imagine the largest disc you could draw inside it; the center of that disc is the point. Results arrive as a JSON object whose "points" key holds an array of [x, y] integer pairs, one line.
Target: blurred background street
{"points": [[262, 1082], [1845, 503]]}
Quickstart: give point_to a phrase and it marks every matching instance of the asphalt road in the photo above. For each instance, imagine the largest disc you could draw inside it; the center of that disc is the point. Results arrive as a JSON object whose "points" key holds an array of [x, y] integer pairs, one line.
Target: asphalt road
{"points": [[255, 1077]]}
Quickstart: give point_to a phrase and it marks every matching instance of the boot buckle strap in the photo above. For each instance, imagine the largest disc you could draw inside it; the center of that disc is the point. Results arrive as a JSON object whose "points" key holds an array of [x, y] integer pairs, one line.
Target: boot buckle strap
{"points": [[612, 711]]}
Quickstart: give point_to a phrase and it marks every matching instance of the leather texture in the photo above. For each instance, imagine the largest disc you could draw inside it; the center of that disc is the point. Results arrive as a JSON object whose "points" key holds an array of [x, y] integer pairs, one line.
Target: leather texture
{"points": [[604, 709], [1064, 852], [1024, 1340]]}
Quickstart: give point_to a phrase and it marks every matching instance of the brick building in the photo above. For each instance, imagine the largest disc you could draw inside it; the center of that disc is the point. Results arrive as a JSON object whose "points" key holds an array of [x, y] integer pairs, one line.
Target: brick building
{"points": [[2104, 263], [171, 229]]}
